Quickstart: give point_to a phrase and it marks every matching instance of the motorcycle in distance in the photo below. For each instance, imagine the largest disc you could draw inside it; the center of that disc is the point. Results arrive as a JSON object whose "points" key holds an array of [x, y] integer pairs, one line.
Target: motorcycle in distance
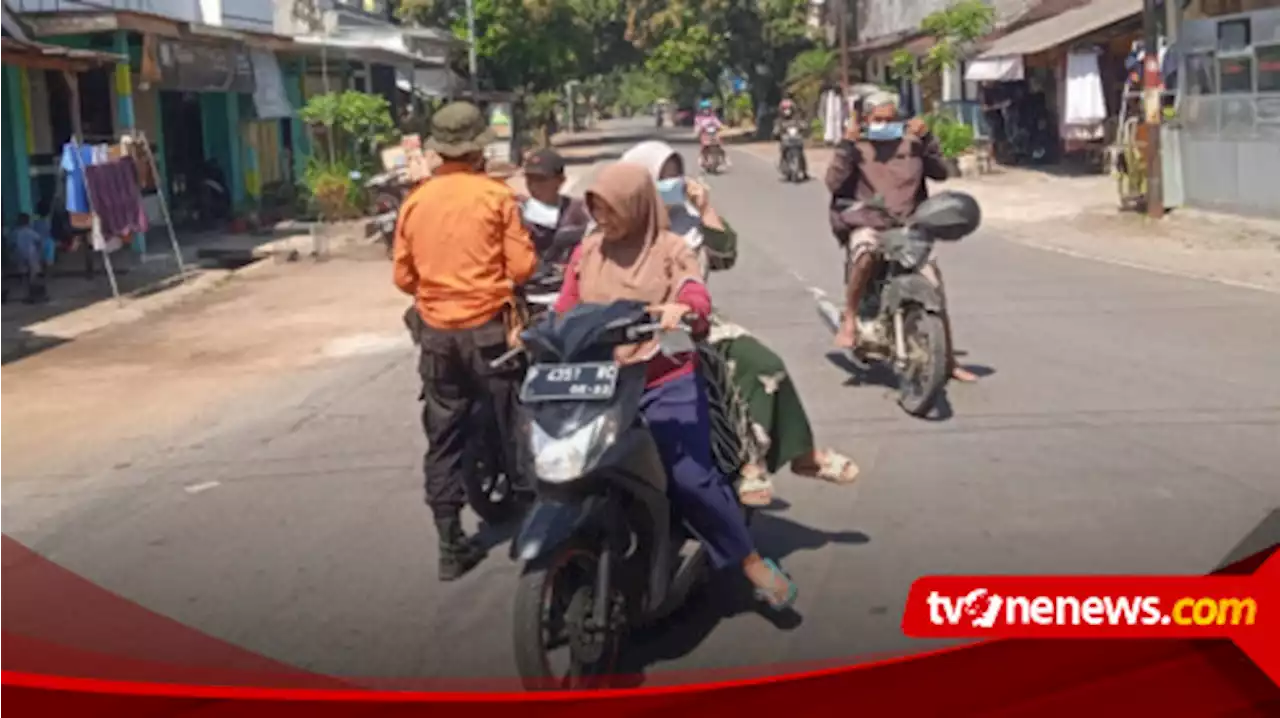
{"points": [[900, 319], [601, 549], [792, 154], [496, 497], [712, 155], [386, 192]]}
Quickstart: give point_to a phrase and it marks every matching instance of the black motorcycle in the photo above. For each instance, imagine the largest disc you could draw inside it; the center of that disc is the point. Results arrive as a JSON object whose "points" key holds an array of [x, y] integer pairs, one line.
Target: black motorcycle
{"points": [[386, 192], [602, 551], [900, 320], [492, 494], [793, 154]]}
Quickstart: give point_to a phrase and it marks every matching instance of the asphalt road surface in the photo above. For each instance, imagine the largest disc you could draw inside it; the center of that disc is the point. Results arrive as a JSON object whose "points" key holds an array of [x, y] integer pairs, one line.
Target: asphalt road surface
{"points": [[1127, 422]]}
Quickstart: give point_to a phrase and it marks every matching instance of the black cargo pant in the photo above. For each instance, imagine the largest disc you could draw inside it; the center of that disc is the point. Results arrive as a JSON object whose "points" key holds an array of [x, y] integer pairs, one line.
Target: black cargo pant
{"points": [[455, 371]]}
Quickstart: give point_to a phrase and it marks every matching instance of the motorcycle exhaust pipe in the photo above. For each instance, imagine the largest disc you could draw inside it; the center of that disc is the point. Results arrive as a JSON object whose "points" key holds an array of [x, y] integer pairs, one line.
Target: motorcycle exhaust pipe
{"points": [[899, 342]]}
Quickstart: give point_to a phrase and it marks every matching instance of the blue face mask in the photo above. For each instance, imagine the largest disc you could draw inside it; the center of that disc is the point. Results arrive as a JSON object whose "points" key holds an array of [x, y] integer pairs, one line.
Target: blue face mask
{"points": [[543, 215], [672, 191], [885, 131]]}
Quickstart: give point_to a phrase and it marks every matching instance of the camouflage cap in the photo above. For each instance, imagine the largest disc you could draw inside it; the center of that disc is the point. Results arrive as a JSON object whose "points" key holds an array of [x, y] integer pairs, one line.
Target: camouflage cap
{"points": [[458, 129]]}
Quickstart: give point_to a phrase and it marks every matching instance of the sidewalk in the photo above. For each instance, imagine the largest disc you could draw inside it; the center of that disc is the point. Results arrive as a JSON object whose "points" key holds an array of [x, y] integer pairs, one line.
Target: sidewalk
{"points": [[79, 304], [1080, 216]]}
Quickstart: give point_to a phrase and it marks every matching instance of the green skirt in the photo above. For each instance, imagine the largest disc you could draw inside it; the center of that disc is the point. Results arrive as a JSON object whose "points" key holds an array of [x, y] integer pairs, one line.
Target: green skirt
{"points": [[782, 429]]}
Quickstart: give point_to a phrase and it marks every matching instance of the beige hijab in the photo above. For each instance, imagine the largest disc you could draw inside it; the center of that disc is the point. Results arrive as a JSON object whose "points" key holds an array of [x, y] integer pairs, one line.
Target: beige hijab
{"points": [[649, 264]]}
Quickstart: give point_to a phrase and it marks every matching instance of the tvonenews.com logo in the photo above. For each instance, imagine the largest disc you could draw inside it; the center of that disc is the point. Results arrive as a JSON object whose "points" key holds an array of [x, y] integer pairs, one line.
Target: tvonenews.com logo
{"points": [[980, 608], [1091, 606]]}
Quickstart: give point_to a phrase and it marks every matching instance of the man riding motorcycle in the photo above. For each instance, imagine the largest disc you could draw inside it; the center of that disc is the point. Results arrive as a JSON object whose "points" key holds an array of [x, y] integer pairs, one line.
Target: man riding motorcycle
{"points": [[545, 210], [886, 162], [788, 117], [707, 123]]}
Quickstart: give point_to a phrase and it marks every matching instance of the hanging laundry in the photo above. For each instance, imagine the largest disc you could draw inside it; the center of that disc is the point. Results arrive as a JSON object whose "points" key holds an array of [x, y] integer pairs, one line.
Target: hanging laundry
{"points": [[101, 242], [1086, 104], [832, 121], [117, 200], [77, 196]]}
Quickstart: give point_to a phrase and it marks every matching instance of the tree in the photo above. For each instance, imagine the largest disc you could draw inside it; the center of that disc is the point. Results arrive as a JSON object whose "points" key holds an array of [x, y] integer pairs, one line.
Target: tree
{"points": [[808, 73], [696, 42], [955, 30]]}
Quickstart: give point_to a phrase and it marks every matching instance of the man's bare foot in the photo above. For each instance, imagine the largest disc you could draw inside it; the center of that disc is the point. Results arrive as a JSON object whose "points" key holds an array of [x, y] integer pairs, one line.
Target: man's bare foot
{"points": [[847, 336], [961, 374]]}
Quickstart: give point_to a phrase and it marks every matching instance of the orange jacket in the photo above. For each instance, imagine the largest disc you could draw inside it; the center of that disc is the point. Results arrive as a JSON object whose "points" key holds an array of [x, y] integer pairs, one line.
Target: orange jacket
{"points": [[461, 248]]}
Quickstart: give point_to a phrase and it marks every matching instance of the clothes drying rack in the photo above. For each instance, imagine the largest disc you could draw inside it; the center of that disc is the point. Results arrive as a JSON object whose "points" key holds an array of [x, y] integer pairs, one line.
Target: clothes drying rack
{"points": [[138, 136]]}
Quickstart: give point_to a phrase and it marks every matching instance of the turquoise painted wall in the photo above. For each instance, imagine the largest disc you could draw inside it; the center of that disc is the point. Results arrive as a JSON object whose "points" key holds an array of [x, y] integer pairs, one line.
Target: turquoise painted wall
{"points": [[220, 115], [298, 130], [17, 165]]}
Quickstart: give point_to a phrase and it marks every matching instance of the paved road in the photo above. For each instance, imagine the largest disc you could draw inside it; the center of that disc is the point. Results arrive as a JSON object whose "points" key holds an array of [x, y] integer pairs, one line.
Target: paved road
{"points": [[1128, 424]]}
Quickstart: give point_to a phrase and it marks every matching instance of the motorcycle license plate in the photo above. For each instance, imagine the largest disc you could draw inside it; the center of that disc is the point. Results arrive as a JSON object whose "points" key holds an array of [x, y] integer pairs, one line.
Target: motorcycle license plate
{"points": [[569, 382]]}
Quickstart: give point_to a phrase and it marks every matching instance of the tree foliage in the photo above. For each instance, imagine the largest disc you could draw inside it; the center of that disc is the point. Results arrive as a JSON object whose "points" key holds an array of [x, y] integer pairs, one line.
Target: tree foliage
{"points": [[808, 73], [687, 47], [955, 29]]}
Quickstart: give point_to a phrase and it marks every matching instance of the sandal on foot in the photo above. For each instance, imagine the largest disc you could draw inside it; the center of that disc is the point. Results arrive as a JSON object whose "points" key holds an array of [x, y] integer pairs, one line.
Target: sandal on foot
{"points": [[770, 596], [755, 490], [835, 468]]}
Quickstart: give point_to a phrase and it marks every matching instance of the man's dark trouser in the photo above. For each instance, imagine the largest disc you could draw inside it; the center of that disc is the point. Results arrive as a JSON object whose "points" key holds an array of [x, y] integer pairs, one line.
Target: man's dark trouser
{"points": [[454, 365]]}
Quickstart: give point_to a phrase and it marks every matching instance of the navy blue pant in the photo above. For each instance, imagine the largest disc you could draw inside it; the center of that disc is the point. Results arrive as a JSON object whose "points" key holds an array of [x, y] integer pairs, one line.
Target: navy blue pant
{"points": [[677, 415]]}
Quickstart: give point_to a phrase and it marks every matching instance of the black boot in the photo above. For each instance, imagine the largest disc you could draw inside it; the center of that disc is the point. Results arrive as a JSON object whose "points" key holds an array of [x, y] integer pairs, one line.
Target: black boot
{"points": [[458, 554]]}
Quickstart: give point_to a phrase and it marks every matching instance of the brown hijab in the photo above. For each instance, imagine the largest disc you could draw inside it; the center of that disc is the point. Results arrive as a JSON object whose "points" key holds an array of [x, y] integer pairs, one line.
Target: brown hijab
{"points": [[649, 264]]}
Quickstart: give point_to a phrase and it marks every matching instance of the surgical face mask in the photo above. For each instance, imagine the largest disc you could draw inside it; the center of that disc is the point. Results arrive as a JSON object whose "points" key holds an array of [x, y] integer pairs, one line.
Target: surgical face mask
{"points": [[543, 215], [885, 131], [672, 191]]}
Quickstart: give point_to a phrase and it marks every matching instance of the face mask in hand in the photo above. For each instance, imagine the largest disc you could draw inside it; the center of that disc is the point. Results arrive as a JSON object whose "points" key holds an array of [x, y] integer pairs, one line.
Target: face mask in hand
{"points": [[672, 191], [885, 131], [543, 215]]}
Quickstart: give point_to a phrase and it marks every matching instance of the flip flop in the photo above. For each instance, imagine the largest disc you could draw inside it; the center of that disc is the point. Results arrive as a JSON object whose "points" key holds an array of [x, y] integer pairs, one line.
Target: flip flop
{"points": [[834, 468], [768, 596], [755, 490]]}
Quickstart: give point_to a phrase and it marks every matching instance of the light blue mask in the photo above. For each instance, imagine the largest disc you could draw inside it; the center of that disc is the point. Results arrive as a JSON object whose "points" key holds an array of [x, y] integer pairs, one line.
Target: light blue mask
{"points": [[543, 215], [885, 131], [672, 191]]}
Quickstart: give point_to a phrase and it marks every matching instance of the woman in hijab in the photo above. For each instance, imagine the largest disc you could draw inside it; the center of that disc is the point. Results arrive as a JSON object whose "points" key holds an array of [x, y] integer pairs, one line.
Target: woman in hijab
{"points": [[778, 431], [631, 255]]}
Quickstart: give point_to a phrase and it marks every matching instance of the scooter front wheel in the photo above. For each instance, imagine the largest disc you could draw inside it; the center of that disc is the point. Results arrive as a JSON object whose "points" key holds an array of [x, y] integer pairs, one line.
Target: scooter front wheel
{"points": [[559, 644]]}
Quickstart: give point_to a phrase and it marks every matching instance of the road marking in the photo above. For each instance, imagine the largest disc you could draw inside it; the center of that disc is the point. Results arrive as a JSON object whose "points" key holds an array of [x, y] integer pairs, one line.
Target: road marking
{"points": [[1135, 265], [198, 488]]}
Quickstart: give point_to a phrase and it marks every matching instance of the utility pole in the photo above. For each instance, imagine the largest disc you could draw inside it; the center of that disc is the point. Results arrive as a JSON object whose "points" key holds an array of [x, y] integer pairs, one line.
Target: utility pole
{"points": [[471, 50], [843, 14], [1154, 112]]}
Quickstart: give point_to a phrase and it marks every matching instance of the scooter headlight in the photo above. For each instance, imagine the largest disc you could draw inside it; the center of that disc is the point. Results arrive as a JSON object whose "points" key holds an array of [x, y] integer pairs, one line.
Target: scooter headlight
{"points": [[562, 459]]}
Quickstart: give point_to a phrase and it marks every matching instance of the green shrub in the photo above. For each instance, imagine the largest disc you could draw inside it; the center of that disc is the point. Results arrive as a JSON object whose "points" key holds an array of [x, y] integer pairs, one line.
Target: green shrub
{"points": [[954, 137], [333, 189]]}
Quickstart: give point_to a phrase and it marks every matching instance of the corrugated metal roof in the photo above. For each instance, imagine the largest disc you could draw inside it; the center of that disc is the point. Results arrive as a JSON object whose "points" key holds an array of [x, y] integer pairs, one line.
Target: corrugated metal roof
{"points": [[1063, 28]]}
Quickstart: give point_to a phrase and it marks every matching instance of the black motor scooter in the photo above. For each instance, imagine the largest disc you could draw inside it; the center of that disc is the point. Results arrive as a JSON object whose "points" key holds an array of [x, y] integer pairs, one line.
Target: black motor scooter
{"points": [[602, 549], [793, 166]]}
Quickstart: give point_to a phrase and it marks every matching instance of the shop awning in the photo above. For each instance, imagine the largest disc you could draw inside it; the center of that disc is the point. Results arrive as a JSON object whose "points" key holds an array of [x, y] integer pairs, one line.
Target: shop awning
{"points": [[382, 53], [1008, 68], [1063, 28], [431, 82]]}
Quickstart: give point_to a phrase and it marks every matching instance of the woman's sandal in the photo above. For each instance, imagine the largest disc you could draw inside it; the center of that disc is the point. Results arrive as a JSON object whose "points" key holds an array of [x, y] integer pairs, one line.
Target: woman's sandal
{"points": [[834, 468], [770, 596], [755, 489]]}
